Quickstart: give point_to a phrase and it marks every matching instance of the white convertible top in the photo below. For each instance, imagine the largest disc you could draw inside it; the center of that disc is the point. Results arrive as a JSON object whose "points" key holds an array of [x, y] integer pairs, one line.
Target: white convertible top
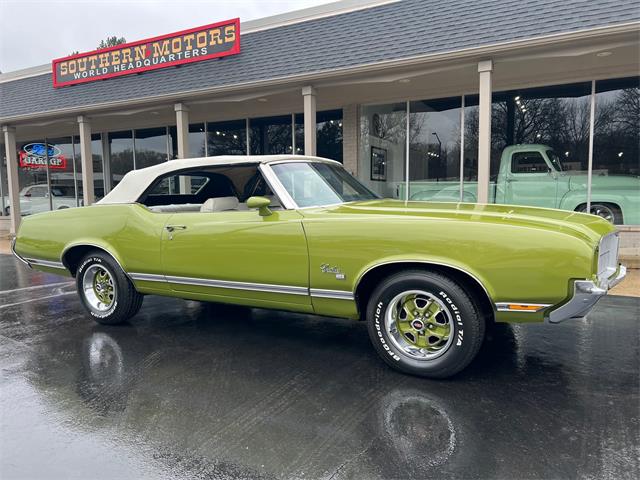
{"points": [[134, 183]]}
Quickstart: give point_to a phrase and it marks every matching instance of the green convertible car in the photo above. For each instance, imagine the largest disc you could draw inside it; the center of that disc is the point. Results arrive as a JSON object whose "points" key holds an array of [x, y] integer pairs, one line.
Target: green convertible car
{"points": [[301, 234]]}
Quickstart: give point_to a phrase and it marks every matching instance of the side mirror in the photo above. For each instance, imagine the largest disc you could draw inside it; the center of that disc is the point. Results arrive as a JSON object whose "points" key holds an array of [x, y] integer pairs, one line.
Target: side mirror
{"points": [[262, 204]]}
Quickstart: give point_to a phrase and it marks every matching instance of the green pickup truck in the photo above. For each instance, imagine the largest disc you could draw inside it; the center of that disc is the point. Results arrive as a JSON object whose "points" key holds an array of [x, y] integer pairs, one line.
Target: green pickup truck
{"points": [[533, 175]]}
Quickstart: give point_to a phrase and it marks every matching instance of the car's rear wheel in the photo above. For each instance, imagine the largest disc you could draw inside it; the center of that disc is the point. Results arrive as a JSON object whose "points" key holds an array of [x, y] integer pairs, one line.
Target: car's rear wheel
{"points": [[105, 291], [424, 323]]}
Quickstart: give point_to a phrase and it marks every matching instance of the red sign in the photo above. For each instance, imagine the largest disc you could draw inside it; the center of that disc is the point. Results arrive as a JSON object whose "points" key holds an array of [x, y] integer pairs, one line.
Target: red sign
{"points": [[39, 155], [194, 45]]}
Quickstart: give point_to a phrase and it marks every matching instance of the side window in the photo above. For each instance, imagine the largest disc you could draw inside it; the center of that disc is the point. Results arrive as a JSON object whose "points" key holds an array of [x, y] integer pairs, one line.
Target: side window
{"points": [[179, 185], [528, 162], [38, 192]]}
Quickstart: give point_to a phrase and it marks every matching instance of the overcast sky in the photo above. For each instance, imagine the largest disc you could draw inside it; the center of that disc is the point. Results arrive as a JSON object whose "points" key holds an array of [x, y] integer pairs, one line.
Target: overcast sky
{"points": [[33, 32]]}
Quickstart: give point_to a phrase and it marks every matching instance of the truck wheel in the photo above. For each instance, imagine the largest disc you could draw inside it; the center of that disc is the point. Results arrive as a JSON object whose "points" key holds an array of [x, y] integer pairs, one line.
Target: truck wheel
{"points": [[105, 291], [608, 211], [425, 324]]}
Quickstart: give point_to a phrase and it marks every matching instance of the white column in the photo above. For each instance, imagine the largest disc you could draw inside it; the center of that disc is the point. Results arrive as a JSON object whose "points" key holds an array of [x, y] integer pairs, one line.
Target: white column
{"points": [[309, 94], [182, 132], [485, 69], [12, 176], [86, 160], [182, 127]]}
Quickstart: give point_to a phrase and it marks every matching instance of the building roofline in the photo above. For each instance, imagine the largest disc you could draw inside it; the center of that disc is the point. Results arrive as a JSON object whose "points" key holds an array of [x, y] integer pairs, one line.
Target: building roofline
{"points": [[259, 24], [311, 77]]}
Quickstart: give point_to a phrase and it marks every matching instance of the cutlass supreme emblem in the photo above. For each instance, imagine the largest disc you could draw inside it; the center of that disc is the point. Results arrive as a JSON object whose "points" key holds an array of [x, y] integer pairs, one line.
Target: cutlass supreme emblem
{"points": [[326, 268]]}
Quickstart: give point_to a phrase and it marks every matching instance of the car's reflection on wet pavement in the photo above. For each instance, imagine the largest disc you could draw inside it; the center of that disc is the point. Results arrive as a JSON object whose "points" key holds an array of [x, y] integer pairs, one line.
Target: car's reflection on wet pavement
{"points": [[193, 390]]}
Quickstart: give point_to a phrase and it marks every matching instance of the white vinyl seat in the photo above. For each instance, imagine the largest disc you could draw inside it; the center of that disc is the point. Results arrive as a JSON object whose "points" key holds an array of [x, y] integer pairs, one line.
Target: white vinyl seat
{"points": [[220, 204], [187, 207]]}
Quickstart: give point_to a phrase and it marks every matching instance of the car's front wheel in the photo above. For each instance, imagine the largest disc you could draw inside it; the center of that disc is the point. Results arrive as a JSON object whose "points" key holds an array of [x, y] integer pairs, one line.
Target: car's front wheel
{"points": [[106, 292], [424, 323]]}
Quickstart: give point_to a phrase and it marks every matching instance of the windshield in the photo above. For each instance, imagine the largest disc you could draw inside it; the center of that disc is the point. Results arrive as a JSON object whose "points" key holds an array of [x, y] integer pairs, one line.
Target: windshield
{"points": [[316, 184], [555, 160]]}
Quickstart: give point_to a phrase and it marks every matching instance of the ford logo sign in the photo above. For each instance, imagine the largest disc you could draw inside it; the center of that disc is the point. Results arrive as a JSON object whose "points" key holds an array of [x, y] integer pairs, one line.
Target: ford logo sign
{"points": [[41, 150]]}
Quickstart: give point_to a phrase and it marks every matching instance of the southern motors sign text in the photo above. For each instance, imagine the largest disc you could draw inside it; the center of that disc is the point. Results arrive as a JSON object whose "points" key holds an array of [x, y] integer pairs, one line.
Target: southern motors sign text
{"points": [[202, 43]]}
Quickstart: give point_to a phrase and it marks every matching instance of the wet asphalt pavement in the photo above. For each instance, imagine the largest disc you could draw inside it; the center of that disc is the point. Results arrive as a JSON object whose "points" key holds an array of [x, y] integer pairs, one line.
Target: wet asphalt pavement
{"points": [[193, 390]]}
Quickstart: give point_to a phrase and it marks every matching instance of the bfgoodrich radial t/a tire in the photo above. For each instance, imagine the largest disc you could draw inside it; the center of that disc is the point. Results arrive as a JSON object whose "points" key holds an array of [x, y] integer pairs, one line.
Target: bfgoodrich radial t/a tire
{"points": [[105, 291], [425, 324]]}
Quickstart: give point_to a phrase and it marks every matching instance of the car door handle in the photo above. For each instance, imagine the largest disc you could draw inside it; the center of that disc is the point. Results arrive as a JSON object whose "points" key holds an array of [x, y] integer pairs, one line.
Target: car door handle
{"points": [[173, 228]]}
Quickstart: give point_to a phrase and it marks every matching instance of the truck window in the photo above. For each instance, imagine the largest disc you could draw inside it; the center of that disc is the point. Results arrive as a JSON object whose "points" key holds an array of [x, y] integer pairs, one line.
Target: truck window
{"points": [[528, 162], [555, 160]]}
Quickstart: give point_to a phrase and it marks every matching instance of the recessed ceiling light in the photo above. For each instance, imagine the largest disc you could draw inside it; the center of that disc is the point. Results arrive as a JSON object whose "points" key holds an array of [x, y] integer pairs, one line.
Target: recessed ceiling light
{"points": [[603, 54], [262, 100], [404, 80]]}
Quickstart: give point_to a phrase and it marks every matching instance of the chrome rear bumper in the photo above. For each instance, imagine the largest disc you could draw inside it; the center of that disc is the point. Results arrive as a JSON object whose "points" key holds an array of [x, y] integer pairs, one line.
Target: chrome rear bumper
{"points": [[585, 295], [15, 254]]}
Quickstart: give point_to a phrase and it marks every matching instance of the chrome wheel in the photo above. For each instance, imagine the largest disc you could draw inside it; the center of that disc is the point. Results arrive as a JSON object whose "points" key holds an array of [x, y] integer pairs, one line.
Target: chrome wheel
{"points": [[99, 288], [601, 211], [419, 324]]}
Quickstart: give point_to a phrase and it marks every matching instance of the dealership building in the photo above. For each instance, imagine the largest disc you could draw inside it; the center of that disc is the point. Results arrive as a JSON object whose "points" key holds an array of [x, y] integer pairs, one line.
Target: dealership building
{"points": [[418, 99]]}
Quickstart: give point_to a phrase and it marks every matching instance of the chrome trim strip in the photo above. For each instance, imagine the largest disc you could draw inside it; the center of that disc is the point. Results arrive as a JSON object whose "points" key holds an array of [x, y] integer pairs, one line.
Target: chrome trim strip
{"points": [[504, 307], [255, 287], [15, 254], [334, 294], [46, 263], [147, 277], [205, 282]]}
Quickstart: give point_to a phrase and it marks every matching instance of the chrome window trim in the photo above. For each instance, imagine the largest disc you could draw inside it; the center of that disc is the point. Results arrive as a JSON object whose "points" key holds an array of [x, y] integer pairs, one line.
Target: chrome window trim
{"points": [[284, 191], [276, 187]]}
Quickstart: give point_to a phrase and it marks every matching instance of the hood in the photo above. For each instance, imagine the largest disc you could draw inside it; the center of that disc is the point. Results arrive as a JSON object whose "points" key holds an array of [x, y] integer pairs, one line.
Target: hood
{"points": [[589, 227]]}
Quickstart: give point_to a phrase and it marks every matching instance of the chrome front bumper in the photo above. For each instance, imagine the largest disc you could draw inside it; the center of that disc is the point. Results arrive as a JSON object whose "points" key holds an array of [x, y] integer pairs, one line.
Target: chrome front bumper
{"points": [[585, 295]]}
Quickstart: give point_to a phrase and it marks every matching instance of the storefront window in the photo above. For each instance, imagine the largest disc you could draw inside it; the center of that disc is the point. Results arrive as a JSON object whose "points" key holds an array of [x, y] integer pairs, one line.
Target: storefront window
{"points": [[98, 173], [270, 135], [120, 155], [151, 146], [328, 134], [615, 185], [33, 177], [197, 139], [227, 138], [382, 148], [62, 174], [551, 123], [434, 149]]}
